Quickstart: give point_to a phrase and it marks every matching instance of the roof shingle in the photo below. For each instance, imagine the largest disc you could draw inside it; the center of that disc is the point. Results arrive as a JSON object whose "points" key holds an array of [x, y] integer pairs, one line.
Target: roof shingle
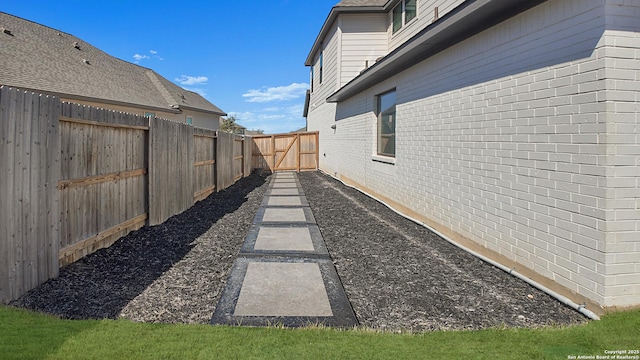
{"points": [[40, 58]]}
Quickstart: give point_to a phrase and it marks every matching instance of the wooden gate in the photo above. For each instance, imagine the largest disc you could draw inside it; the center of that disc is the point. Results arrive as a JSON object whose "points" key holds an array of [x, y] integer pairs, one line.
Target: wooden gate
{"points": [[286, 152]]}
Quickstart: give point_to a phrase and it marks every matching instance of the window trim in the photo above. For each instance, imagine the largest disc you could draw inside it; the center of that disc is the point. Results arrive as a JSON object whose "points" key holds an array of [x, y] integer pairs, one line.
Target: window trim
{"points": [[321, 63], [379, 113], [415, 15], [189, 120], [402, 5]]}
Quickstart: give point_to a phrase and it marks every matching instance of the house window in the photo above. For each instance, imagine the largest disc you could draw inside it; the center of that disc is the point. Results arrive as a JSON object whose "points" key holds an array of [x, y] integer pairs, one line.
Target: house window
{"points": [[321, 65], [397, 18], [404, 12], [410, 10], [189, 120], [149, 114], [387, 124], [311, 76]]}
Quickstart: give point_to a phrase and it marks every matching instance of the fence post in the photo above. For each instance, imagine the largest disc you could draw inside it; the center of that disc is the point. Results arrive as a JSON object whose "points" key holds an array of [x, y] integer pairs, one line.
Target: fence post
{"points": [[216, 157], [299, 155]]}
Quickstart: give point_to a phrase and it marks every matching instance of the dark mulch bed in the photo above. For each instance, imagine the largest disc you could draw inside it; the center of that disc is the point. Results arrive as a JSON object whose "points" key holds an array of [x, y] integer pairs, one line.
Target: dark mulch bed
{"points": [[399, 275], [396, 273], [172, 273]]}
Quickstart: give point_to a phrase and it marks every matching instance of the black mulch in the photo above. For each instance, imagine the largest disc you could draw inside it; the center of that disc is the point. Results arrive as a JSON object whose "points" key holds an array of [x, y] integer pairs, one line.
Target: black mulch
{"points": [[171, 273], [397, 274]]}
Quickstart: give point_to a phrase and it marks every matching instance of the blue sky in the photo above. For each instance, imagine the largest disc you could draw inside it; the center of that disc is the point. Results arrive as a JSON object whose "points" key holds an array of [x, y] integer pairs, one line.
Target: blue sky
{"points": [[245, 57]]}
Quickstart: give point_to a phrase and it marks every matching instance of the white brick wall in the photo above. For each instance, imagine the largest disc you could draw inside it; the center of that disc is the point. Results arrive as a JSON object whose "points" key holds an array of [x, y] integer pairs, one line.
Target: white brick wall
{"points": [[622, 98], [523, 138]]}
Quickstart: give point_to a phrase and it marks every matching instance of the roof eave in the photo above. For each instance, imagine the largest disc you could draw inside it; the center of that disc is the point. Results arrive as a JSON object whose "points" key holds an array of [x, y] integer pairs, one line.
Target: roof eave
{"points": [[468, 19], [217, 113], [333, 15], [106, 101], [307, 99]]}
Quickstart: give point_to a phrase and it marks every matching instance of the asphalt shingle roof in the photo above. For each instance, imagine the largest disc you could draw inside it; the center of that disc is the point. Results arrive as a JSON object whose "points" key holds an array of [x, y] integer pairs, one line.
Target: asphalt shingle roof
{"points": [[37, 57]]}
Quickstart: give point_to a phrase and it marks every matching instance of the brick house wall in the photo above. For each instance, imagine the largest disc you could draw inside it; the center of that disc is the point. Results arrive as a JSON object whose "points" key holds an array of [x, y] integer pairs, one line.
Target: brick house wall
{"points": [[523, 138]]}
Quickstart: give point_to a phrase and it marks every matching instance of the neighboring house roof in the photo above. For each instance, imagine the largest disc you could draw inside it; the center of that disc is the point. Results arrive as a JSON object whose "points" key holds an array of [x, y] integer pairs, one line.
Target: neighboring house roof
{"points": [[36, 57]]}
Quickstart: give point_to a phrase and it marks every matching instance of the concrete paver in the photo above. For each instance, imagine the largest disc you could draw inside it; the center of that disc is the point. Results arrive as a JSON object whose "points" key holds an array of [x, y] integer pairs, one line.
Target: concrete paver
{"points": [[284, 272], [284, 239], [283, 289], [283, 215], [284, 201], [286, 191]]}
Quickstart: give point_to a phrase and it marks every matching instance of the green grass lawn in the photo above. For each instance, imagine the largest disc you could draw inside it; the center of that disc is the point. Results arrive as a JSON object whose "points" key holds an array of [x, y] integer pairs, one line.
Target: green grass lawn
{"points": [[28, 335]]}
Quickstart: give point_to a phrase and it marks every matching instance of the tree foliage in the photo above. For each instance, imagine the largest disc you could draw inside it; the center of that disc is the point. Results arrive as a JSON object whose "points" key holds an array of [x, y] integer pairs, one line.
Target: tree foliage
{"points": [[229, 125]]}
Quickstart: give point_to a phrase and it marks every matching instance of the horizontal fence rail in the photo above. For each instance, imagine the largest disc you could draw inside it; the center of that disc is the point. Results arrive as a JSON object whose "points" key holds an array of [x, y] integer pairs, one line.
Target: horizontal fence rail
{"points": [[75, 178], [285, 152]]}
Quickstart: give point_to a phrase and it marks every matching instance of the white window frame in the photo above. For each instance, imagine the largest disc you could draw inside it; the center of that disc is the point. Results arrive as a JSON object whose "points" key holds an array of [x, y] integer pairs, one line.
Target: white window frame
{"points": [[379, 119], [403, 15], [321, 65]]}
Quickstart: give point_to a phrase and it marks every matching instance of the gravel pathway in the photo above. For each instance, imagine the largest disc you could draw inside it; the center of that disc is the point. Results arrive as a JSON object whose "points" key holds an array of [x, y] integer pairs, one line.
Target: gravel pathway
{"points": [[397, 274]]}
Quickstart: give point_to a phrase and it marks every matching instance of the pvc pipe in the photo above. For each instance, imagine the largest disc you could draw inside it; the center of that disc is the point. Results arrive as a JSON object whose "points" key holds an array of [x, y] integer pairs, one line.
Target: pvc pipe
{"points": [[563, 299]]}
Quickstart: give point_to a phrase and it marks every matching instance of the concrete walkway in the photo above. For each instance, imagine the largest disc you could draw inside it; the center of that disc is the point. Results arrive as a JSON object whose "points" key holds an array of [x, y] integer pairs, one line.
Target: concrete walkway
{"points": [[284, 274]]}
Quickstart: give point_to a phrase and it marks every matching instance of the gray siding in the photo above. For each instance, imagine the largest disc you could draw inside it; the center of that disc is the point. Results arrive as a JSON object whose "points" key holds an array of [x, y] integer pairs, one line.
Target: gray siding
{"points": [[364, 39]]}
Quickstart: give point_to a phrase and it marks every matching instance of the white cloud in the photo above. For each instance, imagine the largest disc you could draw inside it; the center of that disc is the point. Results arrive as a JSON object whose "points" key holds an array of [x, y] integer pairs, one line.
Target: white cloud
{"points": [[279, 93], [138, 58], [192, 80], [295, 110], [273, 120], [271, 117]]}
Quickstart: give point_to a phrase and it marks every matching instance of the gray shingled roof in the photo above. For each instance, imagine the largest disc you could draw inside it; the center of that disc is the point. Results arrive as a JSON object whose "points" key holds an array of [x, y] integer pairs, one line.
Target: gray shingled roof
{"points": [[37, 57]]}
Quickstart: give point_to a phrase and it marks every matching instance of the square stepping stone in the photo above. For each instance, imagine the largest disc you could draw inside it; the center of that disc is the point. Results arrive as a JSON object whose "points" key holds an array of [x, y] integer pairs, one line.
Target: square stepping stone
{"points": [[285, 192], [290, 185], [284, 239], [284, 215], [284, 201], [262, 291], [283, 289]]}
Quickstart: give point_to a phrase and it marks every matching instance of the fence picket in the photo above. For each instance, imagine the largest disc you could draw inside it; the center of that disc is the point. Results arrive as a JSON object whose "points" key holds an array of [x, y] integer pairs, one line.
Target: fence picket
{"points": [[77, 178]]}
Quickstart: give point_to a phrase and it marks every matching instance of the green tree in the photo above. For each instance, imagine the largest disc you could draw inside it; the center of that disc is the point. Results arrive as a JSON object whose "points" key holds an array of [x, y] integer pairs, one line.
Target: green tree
{"points": [[229, 125]]}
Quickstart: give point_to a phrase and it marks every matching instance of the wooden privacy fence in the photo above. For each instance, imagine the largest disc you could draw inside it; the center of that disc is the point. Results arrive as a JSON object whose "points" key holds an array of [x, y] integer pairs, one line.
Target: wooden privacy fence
{"points": [[103, 186], [74, 179], [29, 172], [282, 152]]}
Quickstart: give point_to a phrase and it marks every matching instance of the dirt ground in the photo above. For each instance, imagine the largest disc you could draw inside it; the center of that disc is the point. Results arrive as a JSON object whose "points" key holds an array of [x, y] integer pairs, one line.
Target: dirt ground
{"points": [[397, 274]]}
